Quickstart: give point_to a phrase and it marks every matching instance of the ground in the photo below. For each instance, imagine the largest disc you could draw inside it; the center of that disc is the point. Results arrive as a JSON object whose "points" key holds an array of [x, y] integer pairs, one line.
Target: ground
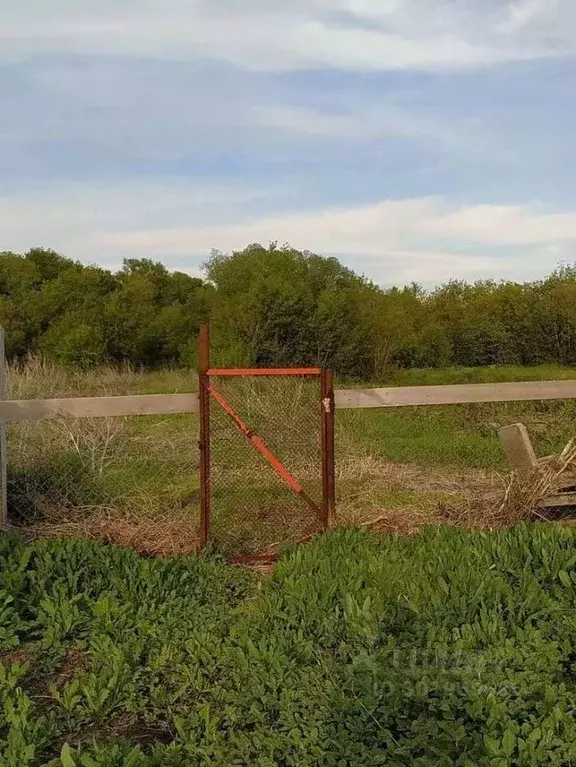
{"points": [[447, 649], [135, 480]]}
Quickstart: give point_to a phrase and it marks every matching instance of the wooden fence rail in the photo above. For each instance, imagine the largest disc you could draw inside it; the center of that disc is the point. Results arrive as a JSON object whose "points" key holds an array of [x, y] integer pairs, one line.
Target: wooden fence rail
{"points": [[407, 396], [97, 407], [455, 394], [169, 404]]}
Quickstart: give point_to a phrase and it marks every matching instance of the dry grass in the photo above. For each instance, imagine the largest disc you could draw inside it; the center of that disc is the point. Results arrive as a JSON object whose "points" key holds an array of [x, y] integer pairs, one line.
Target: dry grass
{"points": [[395, 497], [134, 481], [467, 498], [167, 536], [38, 378], [519, 496], [525, 492]]}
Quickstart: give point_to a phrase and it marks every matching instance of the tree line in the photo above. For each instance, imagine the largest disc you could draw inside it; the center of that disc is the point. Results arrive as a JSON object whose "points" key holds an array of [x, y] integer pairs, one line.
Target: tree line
{"points": [[277, 306]]}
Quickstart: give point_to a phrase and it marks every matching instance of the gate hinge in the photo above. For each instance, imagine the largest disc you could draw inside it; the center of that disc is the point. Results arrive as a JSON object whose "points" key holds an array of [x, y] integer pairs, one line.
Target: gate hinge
{"points": [[326, 403]]}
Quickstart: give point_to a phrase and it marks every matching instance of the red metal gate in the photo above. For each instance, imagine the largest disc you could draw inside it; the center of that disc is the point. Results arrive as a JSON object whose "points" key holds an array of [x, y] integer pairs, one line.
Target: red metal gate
{"points": [[266, 456]]}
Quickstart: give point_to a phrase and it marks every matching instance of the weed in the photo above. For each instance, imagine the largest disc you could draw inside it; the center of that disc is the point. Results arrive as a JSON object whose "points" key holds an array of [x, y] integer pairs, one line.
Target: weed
{"points": [[134, 481], [447, 648]]}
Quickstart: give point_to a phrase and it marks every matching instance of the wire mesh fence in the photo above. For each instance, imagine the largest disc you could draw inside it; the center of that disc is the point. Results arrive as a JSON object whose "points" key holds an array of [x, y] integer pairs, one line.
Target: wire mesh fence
{"points": [[253, 508], [107, 477], [135, 479]]}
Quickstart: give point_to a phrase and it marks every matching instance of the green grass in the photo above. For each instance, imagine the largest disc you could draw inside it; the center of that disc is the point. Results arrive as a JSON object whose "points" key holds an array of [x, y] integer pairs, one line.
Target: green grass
{"points": [[460, 435], [456, 435], [452, 649], [148, 466], [489, 374]]}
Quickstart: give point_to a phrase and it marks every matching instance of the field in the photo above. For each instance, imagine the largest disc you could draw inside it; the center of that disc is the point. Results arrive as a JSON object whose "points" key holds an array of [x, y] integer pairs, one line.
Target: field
{"points": [[446, 647], [450, 649], [135, 480]]}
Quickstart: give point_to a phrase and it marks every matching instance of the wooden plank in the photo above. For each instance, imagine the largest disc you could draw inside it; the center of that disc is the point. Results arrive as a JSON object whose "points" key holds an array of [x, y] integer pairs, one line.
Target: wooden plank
{"points": [[455, 394], [3, 450], [556, 501], [97, 407], [165, 404], [518, 447]]}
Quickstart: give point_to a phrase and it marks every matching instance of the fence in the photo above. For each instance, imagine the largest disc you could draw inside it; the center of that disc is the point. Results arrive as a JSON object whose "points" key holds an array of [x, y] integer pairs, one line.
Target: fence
{"points": [[267, 428], [253, 507]]}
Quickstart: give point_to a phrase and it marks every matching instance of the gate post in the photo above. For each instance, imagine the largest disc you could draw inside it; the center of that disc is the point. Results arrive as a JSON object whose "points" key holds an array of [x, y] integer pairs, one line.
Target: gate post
{"points": [[327, 434], [204, 442]]}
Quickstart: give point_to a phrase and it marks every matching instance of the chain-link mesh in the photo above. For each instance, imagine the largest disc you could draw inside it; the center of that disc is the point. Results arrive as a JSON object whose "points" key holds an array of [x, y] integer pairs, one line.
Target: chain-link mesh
{"points": [[118, 478], [252, 509], [135, 479]]}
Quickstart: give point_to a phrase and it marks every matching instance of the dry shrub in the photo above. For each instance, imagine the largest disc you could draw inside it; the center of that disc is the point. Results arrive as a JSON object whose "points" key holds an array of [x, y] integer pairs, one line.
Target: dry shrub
{"points": [[520, 496], [99, 442], [59, 463], [525, 492]]}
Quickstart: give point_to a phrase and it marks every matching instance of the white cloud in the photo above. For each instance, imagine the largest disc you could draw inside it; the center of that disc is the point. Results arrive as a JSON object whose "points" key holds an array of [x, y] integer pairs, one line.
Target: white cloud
{"points": [[106, 116], [503, 225], [524, 12], [429, 267], [75, 218], [371, 230], [363, 122], [269, 34], [426, 239]]}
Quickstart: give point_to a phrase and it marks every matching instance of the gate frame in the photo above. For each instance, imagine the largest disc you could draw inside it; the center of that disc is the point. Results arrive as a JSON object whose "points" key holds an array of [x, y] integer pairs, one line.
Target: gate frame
{"points": [[206, 392]]}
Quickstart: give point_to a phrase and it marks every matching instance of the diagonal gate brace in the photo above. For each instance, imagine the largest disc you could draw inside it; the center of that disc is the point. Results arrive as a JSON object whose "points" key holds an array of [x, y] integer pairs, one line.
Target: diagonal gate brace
{"points": [[259, 445]]}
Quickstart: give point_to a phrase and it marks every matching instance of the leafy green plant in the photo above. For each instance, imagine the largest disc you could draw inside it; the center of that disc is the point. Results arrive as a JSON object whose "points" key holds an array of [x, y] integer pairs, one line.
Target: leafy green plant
{"points": [[454, 648]]}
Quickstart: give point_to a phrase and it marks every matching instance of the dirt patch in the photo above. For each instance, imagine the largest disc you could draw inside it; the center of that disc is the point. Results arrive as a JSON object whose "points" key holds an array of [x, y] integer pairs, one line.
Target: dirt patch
{"points": [[145, 734], [38, 684], [120, 726], [75, 660], [18, 655]]}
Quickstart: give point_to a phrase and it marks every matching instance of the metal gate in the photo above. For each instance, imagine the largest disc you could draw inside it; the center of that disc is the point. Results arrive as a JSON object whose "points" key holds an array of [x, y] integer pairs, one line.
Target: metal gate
{"points": [[266, 456]]}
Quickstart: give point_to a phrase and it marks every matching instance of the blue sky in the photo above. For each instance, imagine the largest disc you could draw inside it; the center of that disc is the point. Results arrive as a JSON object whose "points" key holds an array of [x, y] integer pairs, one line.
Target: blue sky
{"points": [[413, 139]]}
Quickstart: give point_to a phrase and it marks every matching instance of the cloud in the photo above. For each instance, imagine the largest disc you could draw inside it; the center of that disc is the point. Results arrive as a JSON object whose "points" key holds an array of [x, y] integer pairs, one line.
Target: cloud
{"points": [[362, 121], [503, 225], [371, 229], [183, 125], [427, 239], [303, 34], [428, 267], [525, 12], [77, 218]]}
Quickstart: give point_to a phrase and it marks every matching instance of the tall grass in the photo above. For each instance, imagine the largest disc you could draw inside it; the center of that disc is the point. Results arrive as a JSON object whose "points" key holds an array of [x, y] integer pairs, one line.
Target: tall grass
{"points": [[411, 464], [38, 378], [489, 374]]}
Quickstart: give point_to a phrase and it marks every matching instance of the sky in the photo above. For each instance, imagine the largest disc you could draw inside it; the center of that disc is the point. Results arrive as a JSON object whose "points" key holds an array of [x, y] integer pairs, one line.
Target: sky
{"points": [[415, 140]]}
